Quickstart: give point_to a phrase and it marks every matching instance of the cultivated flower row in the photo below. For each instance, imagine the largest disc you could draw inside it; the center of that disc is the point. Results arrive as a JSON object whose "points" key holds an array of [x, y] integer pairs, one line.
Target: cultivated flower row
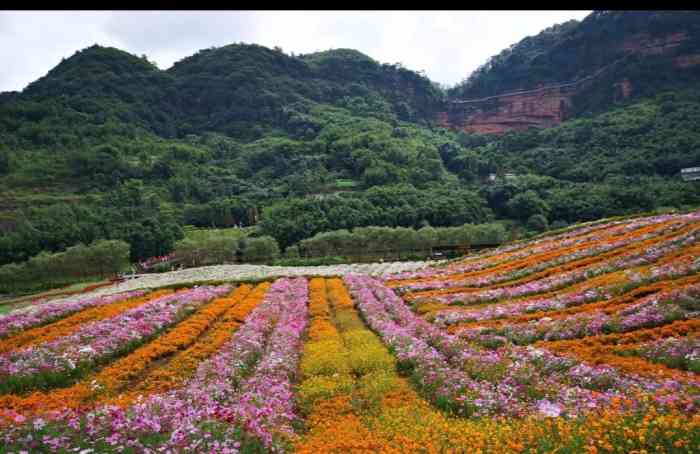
{"points": [[521, 250], [509, 380], [240, 398], [654, 310], [674, 352], [98, 340], [182, 365], [634, 242], [576, 297], [68, 325], [560, 280], [39, 314]]}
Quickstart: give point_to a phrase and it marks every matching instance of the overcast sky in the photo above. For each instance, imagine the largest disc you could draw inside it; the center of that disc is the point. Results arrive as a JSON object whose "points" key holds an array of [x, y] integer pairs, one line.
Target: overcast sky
{"points": [[447, 45]]}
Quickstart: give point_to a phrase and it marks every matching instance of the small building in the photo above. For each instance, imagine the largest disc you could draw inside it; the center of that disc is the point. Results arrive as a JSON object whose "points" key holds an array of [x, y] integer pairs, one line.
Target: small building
{"points": [[690, 173]]}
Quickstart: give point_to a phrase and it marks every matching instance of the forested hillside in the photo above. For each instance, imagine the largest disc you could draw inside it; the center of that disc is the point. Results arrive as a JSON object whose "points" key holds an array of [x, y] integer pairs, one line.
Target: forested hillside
{"points": [[573, 50], [108, 146]]}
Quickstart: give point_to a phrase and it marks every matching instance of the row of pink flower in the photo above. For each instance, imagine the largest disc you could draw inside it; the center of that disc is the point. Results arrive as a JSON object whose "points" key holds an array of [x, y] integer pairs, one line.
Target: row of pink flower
{"points": [[496, 278], [102, 338], [239, 395], [266, 406], [576, 298], [509, 380], [653, 310], [553, 282], [268, 341], [430, 368], [680, 353], [449, 317], [527, 248], [40, 314]]}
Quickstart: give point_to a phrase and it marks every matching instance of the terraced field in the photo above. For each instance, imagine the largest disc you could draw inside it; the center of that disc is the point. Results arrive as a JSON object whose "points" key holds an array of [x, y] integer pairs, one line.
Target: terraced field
{"points": [[584, 341]]}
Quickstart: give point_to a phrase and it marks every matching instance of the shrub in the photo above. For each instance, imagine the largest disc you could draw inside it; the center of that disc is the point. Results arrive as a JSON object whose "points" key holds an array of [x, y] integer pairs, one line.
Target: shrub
{"points": [[315, 261], [259, 249], [101, 258], [537, 222]]}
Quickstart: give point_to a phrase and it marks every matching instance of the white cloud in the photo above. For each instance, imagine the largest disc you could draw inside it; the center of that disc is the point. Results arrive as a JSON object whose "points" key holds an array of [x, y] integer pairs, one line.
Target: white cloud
{"points": [[448, 45]]}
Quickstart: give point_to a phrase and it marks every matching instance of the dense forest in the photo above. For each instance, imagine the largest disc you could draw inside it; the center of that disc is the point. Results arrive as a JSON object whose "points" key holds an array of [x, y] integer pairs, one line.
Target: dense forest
{"points": [[107, 146]]}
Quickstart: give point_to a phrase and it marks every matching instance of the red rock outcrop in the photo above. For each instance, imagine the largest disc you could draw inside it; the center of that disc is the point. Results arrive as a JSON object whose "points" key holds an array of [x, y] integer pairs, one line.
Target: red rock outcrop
{"points": [[543, 107], [623, 90], [443, 119]]}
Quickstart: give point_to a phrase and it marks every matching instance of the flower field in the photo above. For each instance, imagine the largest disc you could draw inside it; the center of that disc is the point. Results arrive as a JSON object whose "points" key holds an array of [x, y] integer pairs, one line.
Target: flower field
{"points": [[583, 341]]}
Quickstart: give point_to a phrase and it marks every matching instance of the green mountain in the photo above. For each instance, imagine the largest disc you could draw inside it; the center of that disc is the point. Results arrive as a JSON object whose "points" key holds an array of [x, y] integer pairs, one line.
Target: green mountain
{"points": [[106, 145], [636, 42]]}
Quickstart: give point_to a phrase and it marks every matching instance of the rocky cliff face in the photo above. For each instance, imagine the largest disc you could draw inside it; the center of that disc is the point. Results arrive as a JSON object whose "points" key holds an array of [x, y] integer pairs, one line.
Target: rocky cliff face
{"points": [[544, 107], [540, 108], [645, 44]]}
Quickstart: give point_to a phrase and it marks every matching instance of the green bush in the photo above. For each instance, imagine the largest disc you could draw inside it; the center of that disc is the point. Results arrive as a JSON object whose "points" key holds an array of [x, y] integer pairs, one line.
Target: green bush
{"points": [[202, 247], [77, 263], [315, 261], [263, 248], [292, 252], [537, 222]]}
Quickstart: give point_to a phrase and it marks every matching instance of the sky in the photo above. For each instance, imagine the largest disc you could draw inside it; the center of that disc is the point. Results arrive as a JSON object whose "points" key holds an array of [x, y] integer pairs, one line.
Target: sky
{"points": [[446, 45]]}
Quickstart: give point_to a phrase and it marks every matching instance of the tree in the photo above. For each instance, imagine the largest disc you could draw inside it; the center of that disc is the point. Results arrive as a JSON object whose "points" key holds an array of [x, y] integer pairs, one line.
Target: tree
{"points": [[527, 204], [293, 220], [428, 237], [380, 174], [4, 162], [162, 170], [258, 249], [537, 222]]}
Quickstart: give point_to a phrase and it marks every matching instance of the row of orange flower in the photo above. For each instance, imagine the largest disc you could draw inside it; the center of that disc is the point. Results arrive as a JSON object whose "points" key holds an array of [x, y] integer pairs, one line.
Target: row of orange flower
{"points": [[682, 257], [607, 349], [607, 306]]}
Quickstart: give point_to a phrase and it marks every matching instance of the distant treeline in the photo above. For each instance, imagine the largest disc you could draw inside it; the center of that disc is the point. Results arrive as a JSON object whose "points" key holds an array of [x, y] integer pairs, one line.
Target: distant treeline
{"points": [[212, 247], [377, 240], [77, 263]]}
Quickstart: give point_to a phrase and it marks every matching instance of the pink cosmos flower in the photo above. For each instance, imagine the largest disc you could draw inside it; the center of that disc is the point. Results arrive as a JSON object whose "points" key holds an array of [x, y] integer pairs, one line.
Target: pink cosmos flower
{"points": [[549, 409]]}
